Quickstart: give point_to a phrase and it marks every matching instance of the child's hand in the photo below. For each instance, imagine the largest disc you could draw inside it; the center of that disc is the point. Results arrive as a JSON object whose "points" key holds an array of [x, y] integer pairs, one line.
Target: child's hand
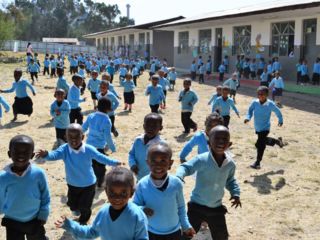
{"points": [[42, 222], [148, 211], [41, 153], [135, 169], [189, 233], [238, 115], [34, 94], [119, 98], [190, 104], [59, 223], [246, 120], [280, 124], [182, 161], [85, 99], [236, 201]]}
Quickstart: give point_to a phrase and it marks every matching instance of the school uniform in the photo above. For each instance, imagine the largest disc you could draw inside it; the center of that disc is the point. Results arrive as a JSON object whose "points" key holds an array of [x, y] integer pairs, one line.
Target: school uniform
{"points": [[208, 68], [22, 102], [253, 70], [111, 70], [93, 86], [262, 115], [277, 86], [188, 99], [213, 99], [80, 176], [110, 224], [88, 65], [5, 104], [46, 65], [61, 121], [135, 75], [269, 72], [246, 69], [201, 73], [138, 154], [128, 94], [172, 76], [167, 202], [112, 89], [156, 96], [264, 79], [276, 66], [152, 69], [193, 71], [33, 69], [261, 66], [233, 84], [223, 106], [25, 202], [74, 101], [122, 73], [95, 68], [99, 126], [63, 84], [53, 64], [316, 74], [221, 70], [206, 198], [164, 83], [200, 139]]}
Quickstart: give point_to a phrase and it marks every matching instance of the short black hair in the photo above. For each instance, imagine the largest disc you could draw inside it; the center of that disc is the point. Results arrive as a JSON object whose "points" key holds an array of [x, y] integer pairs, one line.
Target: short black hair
{"points": [[155, 77], [128, 75], [21, 139], [188, 80], [104, 82], [119, 176], [225, 88], [76, 77], [215, 116], [59, 90], [155, 116], [263, 89], [104, 105], [159, 148]]}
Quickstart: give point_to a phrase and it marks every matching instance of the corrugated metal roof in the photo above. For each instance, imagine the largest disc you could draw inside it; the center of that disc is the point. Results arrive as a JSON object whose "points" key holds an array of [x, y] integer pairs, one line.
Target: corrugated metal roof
{"points": [[266, 7]]}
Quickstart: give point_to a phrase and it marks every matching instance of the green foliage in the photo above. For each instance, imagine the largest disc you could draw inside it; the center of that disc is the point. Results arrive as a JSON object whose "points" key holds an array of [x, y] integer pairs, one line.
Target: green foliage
{"points": [[6, 27]]}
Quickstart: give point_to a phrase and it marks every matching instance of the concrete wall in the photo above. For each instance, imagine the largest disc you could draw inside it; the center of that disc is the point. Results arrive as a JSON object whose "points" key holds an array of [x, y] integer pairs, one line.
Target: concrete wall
{"points": [[163, 42]]}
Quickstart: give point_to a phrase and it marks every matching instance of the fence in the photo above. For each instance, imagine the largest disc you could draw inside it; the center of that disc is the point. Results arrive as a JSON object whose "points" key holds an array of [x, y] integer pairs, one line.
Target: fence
{"points": [[44, 47]]}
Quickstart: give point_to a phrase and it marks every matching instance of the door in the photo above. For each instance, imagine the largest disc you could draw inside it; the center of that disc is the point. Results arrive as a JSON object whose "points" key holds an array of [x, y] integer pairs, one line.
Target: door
{"points": [[218, 49]]}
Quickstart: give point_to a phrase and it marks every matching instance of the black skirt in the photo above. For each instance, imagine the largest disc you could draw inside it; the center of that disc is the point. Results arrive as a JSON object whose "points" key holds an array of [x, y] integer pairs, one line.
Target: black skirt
{"points": [[94, 95], [22, 106], [128, 97]]}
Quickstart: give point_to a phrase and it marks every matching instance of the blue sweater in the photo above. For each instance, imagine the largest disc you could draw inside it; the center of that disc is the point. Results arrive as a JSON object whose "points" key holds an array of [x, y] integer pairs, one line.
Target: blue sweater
{"points": [[25, 197], [111, 89], [164, 83], [33, 68], [264, 77], [128, 86], [193, 67], [78, 164], [74, 97], [53, 63], [213, 99], [276, 66], [316, 68], [114, 101], [61, 121], [123, 71], [20, 88], [200, 139], [172, 76], [168, 205], [138, 154], [277, 83], [188, 100], [93, 85], [156, 94], [224, 106], [232, 84], [211, 179], [262, 114], [110, 70], [5, 104], [99, 135], [62, 84], [132, 224], [46, 63]]}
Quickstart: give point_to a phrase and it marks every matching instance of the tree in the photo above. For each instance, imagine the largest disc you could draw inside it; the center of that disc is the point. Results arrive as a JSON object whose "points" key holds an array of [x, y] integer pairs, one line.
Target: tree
{"points": [[6, 26]]}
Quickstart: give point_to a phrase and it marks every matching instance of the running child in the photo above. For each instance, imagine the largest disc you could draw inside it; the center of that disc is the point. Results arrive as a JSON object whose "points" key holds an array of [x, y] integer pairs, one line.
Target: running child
{"points": [[164, 83], [161, 197], [24, 193], [277, 87], [221, 70], [215, 171], [215, 95], [33, 69], [106, 77], [155, 92], [111, 70], [53, 65], [22, 102], [120, 219], [6, 106], [128, 93], [93, 86], [46, 66], [261, 109], [233, 84], [62, 82], [81, 181], [122, 72], [188, 99], [152, 126], [172, 77]]}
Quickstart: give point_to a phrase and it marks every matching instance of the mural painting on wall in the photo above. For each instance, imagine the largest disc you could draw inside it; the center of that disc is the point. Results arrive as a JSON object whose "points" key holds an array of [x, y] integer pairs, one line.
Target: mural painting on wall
{"points": [[259, 47], [194, 49], [225, 44]]}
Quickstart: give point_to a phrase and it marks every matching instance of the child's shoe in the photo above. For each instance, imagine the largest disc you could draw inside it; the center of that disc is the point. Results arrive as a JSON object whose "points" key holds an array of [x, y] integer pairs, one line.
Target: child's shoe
{"points": [[280, 142], [255, 165]]}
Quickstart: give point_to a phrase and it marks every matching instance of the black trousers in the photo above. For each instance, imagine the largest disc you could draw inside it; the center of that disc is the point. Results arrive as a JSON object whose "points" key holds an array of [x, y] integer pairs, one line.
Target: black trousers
{"points": [[135, 80], [172, 236], [99, 169], [201, 78], [46, 70], [187, 122], [33, 74], [215, 217], [53, 72], [298, 77], [154, 108], [80, 199], [111, 78], [32, 230], [112, 119], [75, 114], [193, 76], [226, 121], [61, 134], [262, 141], [315, 79], [221, 77]]}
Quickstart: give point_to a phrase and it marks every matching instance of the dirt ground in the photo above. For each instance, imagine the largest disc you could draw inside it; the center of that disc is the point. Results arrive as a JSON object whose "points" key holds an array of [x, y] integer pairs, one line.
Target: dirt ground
{"points": [[280, 201]]}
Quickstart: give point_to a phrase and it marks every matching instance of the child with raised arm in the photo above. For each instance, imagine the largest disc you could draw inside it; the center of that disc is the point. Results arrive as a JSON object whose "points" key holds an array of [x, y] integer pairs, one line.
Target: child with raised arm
{"points": [[60, 111], [119, 219], [215, 95], [161, 197], [261, 109], [128, 93], [6, 106], [155, 92], [138, 154], [99, 136], [223, 105], [188, 99], [62, 82], [22, 102], [93, 86], [81, 181], [233, 84], [24, 193], [215, 171]]}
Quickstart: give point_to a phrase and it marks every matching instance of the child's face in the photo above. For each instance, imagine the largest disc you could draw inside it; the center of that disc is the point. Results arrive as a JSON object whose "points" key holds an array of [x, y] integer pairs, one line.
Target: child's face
{"points": [[74, 138], [94, 75], [78, 82], [225, 93], [152, 127], [159, 164], [59, 96], [219, 91], [262, 96], [161, 73], [17, 75], [119, 195], [211, 124], [154, 82], [219, 142], [103, 88], [21, 153], [186, 85]]}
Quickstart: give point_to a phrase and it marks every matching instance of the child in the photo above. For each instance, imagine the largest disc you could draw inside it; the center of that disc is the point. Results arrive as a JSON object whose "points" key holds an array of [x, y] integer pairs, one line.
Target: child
{"points": [[46, 65], [60, 111], [215, 171], [152, 69], [172, 76], [33, 69], [277, 87], [215, 95], [53, 64], [24, 193], [77, 157], [201, 73], [188, 99], [107, 77], [264, 78], [128, 94], [82, 74], [104, 92], [161, 197], [93, 86], [316, 72], [99, 135], [269, 71], [253, 69], [208, 69], [122, 72], [75, 100], [226, 63], [233, 84], [62, 82], [135, 74], [304, 72], [22, 102], [246, 68], [164, 83], [6, 106], [110, 69], [119, 219], [298, 67], [261, 66], [276, 65], [223, 105], [193, 70], [261, 109], [156, 94], [221, 70], [201, 138], [152, 125]]}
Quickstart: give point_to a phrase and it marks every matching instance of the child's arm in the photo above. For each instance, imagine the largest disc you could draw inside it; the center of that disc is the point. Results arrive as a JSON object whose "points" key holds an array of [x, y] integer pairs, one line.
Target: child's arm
{"points": [[115, 103], [234, 107], [278, 113], [189, 168], [52, 110], [194, 99], [101, 158], [233, 188], [138, 200], [180, 96], [45, 199], [188, 148], [85, 125], [5, 104], [31, 88], [115, 93], [147, 92], [10, 90], [53, 155], [211, 99], [107, 136], [133, 164], [250, 113]]}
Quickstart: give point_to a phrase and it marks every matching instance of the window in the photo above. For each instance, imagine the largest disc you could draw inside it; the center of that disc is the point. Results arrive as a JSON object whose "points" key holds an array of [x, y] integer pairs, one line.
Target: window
{"points": [[204, 40], [141, 40], [282, 38], [183, 47], [242, 40]]}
